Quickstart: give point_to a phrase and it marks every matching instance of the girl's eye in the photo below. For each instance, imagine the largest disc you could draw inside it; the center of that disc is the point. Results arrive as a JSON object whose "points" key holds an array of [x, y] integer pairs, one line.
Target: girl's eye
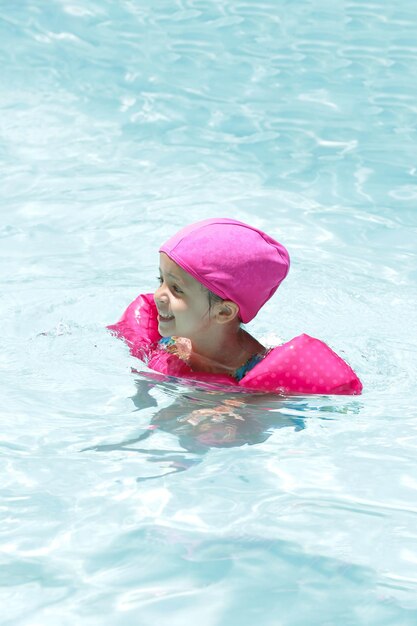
{"points": [[174, 287]]}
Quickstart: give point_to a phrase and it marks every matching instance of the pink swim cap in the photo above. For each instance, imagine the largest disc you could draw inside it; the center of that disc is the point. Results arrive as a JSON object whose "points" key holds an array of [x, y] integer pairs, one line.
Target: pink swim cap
{"points": [[233, 260]]}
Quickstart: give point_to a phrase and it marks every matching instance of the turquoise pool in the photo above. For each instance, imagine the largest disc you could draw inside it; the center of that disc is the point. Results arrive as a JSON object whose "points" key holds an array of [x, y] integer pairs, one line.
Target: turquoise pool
{"points": [[120, 122]]}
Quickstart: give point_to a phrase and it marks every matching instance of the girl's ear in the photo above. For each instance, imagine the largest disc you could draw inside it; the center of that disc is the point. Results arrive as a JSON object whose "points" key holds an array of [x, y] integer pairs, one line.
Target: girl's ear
{"points": [[227, 311]]}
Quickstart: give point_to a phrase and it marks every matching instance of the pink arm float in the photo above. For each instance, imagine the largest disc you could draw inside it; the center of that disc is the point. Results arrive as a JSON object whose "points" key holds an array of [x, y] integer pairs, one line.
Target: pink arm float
{"points": [[303, 365]]}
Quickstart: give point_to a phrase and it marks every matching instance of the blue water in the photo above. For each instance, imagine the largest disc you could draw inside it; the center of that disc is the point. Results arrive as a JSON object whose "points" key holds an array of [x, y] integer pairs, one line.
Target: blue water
{"points": [[121, 122]]}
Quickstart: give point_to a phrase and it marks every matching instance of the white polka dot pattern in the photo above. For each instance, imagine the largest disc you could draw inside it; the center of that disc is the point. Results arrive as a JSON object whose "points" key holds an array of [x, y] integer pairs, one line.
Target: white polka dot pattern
{"points": [[303, 365]]}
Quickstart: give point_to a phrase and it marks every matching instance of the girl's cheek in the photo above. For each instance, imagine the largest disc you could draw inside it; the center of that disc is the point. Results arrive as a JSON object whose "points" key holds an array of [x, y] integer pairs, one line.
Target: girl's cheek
{"points": [[180, 304]]}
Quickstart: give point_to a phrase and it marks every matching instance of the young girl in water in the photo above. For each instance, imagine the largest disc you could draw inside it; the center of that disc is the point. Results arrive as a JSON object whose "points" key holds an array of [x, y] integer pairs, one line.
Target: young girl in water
{"points": [[214, 275]]}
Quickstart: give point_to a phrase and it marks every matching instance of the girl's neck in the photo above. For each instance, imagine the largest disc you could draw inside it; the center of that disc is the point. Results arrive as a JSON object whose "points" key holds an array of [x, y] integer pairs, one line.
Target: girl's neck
{"points": [[224, 353]]}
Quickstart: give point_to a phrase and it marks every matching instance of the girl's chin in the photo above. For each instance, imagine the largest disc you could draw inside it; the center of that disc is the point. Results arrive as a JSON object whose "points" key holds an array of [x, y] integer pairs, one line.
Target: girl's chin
{"points": [[165, 328]]}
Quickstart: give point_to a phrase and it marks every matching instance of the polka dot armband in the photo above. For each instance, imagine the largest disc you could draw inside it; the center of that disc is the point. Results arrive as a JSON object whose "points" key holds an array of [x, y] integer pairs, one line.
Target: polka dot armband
{"points": [[304, 365]]}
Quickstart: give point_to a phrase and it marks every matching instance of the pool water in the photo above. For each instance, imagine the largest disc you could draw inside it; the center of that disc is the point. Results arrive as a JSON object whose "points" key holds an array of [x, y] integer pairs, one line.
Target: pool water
{"points": [[127, 499]]}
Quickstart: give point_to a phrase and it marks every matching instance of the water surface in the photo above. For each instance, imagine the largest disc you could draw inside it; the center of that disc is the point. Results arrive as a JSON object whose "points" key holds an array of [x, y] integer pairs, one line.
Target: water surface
{"points": [[121, 122]]}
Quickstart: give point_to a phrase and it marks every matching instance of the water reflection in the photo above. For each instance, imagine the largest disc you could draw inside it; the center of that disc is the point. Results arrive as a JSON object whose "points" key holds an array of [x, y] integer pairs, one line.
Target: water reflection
{"points": [[202, 417]]}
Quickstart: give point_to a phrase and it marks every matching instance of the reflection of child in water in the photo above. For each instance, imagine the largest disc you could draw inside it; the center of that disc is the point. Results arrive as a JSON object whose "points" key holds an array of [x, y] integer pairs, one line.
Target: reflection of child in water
{"points": [[222, 420], [206, 420], [217, 413]]}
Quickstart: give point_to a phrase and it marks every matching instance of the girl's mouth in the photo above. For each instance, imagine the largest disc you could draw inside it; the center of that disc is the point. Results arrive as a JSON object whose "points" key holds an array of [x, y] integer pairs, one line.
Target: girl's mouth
{"points": [[165, 318]]}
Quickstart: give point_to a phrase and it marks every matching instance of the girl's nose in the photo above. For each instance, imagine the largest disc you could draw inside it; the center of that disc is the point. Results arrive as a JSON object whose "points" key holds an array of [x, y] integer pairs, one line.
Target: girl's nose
{"points": [[160, 294]]}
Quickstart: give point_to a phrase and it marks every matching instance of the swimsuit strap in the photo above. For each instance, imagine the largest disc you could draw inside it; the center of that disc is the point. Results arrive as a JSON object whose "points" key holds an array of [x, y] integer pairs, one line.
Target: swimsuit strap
{"points": [[167, 342], [246, 367]]}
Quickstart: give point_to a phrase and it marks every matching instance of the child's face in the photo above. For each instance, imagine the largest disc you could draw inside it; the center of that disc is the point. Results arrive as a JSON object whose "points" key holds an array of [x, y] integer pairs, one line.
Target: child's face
{"points": [[182, 303]]}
